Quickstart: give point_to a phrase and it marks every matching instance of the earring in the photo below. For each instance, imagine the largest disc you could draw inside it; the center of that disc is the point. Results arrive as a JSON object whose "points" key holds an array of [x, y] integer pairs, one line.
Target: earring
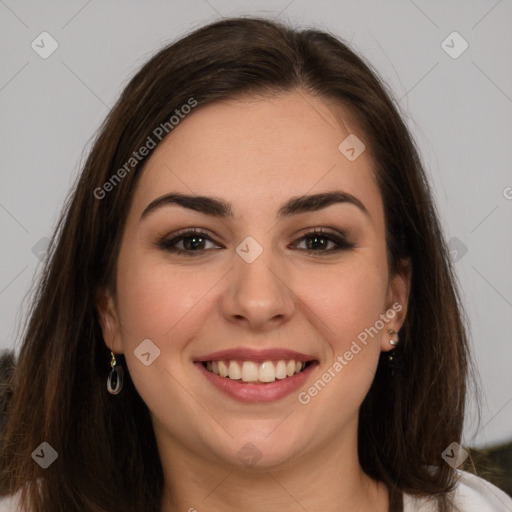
{"points": [[115, 377], [392, 341], [394, 362]]}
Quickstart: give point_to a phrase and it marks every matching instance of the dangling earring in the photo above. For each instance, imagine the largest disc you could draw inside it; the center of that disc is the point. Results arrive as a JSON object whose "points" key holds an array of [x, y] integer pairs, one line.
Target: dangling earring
{"points": [[115, 377]]}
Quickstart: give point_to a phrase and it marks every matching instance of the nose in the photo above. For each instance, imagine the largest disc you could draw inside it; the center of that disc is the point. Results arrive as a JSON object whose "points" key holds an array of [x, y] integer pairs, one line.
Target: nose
{"points": [[259, 294]]}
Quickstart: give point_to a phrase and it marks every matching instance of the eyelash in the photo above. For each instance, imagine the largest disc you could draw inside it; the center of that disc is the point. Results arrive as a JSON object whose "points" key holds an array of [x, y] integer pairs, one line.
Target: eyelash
{"points": [[168, 244]]}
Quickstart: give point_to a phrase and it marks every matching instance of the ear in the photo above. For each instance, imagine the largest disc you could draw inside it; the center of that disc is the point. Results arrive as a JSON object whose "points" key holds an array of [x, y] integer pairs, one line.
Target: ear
{"points": [[109, 321], [397, 301]]}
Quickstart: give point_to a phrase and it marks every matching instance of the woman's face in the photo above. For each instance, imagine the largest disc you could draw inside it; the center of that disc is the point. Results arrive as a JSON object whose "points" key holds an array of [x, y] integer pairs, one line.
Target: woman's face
{"points": [[256, 282]]}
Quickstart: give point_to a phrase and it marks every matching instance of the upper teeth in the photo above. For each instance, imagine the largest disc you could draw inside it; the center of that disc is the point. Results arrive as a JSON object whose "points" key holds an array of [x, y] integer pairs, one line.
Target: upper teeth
{"points": [[250, 371]]}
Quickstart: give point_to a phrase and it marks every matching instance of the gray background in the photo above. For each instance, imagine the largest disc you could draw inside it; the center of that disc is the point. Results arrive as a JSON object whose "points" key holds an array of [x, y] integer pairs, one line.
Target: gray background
{"points": [[459, 110]]}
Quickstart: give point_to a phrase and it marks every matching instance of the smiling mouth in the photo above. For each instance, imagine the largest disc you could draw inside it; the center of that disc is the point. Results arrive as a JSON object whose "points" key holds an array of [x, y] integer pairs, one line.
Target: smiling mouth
{"points": [[253, 372]]}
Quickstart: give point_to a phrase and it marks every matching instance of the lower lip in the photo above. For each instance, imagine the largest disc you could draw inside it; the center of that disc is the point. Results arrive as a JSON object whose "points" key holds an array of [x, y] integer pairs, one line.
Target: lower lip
{"points": [[252, 393]]}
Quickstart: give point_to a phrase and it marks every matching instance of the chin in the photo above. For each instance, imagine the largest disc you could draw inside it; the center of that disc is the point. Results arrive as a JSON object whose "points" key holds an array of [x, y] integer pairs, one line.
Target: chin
{"points": [[257, 450]]}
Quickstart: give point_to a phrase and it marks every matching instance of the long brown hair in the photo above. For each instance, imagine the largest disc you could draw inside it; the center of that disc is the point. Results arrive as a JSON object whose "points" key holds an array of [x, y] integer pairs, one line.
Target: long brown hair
{"points": [[107, 454]]}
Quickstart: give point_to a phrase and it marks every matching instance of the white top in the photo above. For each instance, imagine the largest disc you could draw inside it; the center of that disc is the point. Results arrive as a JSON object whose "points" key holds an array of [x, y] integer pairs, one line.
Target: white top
{"points": [[472, 494]]}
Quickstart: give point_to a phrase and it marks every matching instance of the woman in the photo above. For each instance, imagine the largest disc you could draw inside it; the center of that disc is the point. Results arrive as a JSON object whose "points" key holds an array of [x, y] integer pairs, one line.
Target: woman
{"points": [[248, 304]]}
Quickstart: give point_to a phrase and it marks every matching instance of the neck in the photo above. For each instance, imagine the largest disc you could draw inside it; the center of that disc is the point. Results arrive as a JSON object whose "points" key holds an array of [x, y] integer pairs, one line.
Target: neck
{"points": [[330, 480]]}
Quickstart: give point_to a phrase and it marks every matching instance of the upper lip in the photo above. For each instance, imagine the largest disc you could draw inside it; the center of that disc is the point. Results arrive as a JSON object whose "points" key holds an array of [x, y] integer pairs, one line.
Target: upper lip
{"points": [[251, 354]]}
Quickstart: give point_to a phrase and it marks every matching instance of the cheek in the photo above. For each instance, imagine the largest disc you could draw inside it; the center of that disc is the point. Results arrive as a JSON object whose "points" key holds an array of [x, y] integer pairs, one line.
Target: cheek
{"points": [[347, 306], [155, 300], [165, 306], [347, 300]]}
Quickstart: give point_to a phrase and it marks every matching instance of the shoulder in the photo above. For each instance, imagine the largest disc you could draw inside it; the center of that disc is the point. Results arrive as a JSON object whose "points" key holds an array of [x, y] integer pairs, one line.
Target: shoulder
{"points": [[9, 504], [471, 494], [475, 493], [12, 502]]}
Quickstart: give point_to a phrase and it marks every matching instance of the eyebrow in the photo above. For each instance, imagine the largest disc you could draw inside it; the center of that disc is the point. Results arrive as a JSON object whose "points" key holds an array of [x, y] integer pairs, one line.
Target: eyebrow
{"points": [[222, 209]]}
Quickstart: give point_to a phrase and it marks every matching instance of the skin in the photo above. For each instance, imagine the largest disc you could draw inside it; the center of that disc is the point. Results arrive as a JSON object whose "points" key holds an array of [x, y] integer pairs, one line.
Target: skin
{"points": [[256, 153]]}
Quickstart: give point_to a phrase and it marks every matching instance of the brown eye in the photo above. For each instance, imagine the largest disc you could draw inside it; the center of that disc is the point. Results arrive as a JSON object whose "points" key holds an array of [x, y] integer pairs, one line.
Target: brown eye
{"points": [[193, 242], [317, 241]]}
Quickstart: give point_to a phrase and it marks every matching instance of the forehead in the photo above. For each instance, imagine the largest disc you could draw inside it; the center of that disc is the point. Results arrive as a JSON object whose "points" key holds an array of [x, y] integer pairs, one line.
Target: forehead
{"points": [[259, 147]]}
